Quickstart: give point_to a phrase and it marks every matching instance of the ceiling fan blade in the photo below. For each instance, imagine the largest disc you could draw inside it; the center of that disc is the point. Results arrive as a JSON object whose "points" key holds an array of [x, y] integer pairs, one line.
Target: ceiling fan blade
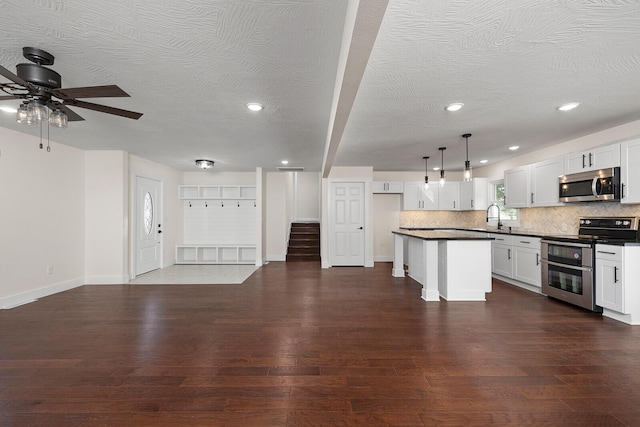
{"points": [[108, 91], [8, 74], [71, 115], [103, 109]]}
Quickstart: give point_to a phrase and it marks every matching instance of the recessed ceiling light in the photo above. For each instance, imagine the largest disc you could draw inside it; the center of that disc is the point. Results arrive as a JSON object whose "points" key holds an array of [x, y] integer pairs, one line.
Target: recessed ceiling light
{"points": [[514, 147], [484, 161], [436, 169], [569, 106], [255, 106], [8, 109], [285, 162], [454, 107]]}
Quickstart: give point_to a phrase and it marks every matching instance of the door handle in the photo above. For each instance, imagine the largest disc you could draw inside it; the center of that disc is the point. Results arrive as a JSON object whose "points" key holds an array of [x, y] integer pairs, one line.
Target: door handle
{"points": [[615, 274], [360, 228], [159, 231]]}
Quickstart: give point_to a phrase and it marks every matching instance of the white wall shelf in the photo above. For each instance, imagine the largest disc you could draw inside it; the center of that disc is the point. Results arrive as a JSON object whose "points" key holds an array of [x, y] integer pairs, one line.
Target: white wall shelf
{"points": [[216, 192], [215, 254]]}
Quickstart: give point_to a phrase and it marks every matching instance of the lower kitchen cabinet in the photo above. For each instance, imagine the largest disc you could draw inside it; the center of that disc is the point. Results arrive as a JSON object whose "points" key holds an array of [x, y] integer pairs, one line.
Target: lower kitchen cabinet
{"points": [[501, 257], [516, 259], [617, 277], [609, 278]]}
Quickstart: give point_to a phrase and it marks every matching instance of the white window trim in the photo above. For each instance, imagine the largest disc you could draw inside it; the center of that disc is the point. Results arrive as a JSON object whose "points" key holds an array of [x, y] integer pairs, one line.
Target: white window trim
{"points": [[505, 222]]}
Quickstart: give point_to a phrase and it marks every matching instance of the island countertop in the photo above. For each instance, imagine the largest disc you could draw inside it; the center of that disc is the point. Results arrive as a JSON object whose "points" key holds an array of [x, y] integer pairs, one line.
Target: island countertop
{"points": [[443, 234]]}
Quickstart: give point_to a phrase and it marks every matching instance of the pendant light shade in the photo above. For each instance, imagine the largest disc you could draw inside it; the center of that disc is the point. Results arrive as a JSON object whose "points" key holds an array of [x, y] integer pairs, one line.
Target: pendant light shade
{"points": [[426, 173], [467, 164], [442, 165]]}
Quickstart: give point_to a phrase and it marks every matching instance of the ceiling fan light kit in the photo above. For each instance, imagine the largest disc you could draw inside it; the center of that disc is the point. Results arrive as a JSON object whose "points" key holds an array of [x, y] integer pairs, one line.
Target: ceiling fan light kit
{"points": [[467, 164], [40, 88]]}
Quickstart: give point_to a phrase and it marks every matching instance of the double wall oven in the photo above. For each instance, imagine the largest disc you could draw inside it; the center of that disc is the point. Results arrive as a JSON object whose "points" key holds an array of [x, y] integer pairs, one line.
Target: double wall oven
{"points": [[568, 262]]}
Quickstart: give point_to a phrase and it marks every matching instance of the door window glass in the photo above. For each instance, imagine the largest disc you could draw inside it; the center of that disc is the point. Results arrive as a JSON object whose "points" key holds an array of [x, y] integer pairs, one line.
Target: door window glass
{"points": [[148, 214]]}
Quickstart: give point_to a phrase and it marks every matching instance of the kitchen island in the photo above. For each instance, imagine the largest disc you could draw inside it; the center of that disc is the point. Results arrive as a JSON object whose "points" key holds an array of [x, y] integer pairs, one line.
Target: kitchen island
{"points": [[452, 264]]}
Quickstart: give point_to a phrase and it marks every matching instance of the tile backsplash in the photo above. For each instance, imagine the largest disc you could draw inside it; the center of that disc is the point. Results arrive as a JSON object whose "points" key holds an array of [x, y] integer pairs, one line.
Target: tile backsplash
{"points": [[552, 220]]}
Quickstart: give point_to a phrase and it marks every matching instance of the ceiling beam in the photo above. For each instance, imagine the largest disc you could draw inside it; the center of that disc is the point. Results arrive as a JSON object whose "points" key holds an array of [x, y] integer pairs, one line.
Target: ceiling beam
{"points": [[362, 24]]}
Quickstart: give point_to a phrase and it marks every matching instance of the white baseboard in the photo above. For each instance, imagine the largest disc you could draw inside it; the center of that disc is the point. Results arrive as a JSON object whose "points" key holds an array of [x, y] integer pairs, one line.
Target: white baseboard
{"points": [[383, 258], [33, 295], [277, 258], [106, 280]]}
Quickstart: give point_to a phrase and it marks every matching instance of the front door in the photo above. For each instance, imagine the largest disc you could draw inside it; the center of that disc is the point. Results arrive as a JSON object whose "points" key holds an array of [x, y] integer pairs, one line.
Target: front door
{"points": [[347, 220], [148, 226]]}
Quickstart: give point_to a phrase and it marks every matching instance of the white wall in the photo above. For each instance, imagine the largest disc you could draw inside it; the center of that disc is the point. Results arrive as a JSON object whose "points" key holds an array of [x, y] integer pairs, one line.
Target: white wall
{"points": [[307, 196], [604, 137], [210, 176], [276, 216], [172, 211], [106, 217], [41, 218]]}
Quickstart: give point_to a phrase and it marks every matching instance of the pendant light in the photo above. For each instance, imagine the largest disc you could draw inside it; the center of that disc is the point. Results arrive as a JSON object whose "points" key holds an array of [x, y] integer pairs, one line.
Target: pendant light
{"points": [[426, 173], [442, 165], [467, 164]]}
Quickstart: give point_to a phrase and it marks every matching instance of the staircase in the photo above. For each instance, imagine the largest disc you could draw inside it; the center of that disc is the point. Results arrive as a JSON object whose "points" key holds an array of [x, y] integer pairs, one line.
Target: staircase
{"points": [[304, 242]]}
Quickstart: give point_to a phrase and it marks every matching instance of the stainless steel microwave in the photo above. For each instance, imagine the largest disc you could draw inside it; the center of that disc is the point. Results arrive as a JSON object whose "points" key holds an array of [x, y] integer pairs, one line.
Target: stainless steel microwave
{"points": [[597, 185]]}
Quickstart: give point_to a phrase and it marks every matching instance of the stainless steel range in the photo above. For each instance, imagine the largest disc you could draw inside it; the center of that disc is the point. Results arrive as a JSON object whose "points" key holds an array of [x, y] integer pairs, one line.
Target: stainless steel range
{"points": [[568, 262]]}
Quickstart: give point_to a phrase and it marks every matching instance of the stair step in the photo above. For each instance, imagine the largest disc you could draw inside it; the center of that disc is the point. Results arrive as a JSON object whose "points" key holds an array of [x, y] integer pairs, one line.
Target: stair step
{"points": [[307, 257], [301, 250]]}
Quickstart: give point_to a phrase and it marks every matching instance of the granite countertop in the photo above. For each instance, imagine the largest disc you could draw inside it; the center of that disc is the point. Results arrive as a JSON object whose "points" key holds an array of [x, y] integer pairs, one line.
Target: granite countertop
{"points": [[605, 241], [442, 234]]}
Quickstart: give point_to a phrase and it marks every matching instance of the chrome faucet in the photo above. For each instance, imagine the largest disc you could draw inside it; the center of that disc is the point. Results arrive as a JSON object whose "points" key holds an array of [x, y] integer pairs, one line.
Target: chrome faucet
{"points": [[489, 208]]}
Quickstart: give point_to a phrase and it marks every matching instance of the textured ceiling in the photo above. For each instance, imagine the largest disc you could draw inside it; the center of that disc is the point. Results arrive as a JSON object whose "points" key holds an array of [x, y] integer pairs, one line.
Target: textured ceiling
{"points": [[191, 65]]}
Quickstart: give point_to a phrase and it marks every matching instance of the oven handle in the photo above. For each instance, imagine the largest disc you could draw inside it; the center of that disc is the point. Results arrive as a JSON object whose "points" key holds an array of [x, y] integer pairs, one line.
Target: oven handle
{"points": [[577, 245], [570, 267]]}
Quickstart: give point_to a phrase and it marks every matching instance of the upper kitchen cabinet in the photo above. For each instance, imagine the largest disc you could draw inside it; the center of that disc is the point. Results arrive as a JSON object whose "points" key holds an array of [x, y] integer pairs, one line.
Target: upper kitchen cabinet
{"points": [[388, 187], [517, 187], [474, 194], [607, 156], [418, 198], [630, 171], [449, 196], [544, 182]]}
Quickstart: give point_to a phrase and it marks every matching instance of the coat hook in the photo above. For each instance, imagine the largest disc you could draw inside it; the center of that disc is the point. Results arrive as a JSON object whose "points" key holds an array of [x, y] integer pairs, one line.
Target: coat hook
{"points": [[205, 204], [254, 204], [238, 203], [189, 203], [222, 204]]}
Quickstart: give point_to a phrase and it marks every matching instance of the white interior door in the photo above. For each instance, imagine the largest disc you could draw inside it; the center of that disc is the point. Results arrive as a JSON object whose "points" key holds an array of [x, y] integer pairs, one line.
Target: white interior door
{"points": [[148, 226], [347, 220]]}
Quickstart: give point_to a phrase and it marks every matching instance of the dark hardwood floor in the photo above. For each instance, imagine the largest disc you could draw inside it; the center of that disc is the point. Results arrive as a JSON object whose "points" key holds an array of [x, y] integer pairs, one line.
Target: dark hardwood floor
{"points": [[299, 346]]}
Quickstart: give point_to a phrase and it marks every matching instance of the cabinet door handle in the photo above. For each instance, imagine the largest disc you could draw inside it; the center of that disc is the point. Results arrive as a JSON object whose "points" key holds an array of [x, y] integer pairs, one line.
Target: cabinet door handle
{"points": [[454, 204], [622, 190], [508, 253], [605, 252], [615, 274], [583, 163], [537, 259], [532, 198], [590, 159], [471, 203], [524, 241]]}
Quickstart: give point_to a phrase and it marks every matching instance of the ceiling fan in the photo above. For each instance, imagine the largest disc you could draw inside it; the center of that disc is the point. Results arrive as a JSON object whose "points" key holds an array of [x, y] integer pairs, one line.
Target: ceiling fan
{"points": [[40, 86]]}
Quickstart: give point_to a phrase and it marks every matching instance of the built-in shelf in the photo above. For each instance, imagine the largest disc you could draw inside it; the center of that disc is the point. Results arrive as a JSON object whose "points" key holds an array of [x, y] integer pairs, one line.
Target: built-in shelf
{"points": [[193, 192], [215, 254]]}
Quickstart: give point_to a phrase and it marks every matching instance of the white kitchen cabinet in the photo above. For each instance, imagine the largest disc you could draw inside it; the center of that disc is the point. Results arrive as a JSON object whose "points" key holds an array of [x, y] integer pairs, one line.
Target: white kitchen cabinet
{"points": [[416, 197], [609, 278], [606, 156], [630, 171], [474, 195], [501, 255], [526, 264], [388, 187], [449, 196], [517, 187], [544, 182]]}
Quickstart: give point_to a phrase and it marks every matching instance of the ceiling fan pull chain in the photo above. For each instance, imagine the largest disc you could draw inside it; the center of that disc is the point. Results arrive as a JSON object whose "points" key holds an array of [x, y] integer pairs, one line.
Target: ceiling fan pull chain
{"points": [[48, 142]]}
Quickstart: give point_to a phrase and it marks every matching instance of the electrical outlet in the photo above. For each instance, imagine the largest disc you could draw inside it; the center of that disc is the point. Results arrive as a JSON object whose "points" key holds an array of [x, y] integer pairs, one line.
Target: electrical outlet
{"points": [[50, 269]]}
